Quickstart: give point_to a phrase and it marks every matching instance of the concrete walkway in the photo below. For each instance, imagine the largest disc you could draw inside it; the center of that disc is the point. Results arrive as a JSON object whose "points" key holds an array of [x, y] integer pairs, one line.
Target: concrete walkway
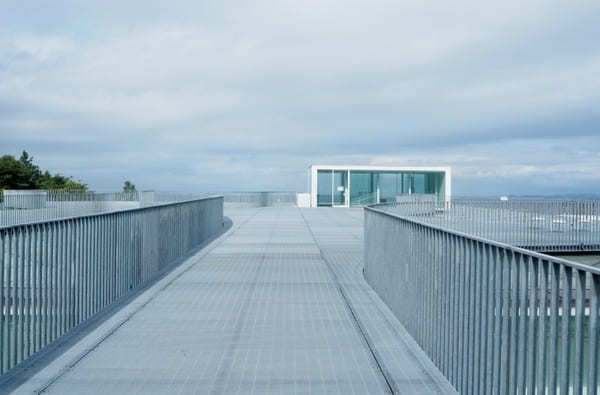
{"points": [[276, 305]]}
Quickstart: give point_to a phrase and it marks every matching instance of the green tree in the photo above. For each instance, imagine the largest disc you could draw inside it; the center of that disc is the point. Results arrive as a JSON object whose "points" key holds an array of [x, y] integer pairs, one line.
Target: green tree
{"points": [[17, 174], [128, 186], [24, 174], [59, 182]]}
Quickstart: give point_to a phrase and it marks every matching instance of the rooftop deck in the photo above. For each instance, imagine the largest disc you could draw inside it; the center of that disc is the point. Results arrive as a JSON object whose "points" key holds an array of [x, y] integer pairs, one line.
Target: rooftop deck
{"points": [[276, 305]]}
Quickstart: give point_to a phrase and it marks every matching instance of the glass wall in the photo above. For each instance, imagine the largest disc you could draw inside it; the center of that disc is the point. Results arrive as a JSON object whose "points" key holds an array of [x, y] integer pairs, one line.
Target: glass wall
{"points": [[324, 189], [363, 188], [418, 183], [371, 187], [390, 186]]}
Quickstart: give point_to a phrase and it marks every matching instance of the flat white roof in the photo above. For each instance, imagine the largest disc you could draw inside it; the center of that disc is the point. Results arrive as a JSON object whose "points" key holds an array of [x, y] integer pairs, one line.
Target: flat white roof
{"points": [[381, 168]]}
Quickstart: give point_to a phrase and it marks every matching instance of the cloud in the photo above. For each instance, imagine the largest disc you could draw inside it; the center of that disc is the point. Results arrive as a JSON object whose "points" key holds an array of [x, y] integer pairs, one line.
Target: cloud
{"points": [[245, 95]]}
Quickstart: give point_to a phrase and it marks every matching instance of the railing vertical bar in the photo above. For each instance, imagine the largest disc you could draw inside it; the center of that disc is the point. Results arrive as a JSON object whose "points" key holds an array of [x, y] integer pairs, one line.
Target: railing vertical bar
{"points": [[435, 294], [553, 355], [33, 286], [55, 280], [104, 262], [46, 291], [592, 384], [430, 325], [513, 314], [461, 315], [112, 283], [505, 334], [488, 356], [60, 271], [565, 331], [541, 338], [39, 287], [80, 282], [472, 320], [27, 295], [579, 318], [21, 296], [87, 273], [73, 273], [35, 292], [480, 296], [533, 320], [84, 268], [454, 309], [64, 294], [520, 316], [11, 294], [90, 264], [3, 303], [76, 272], [444, 298], [68, 274], [99, 264], [453, 338]]}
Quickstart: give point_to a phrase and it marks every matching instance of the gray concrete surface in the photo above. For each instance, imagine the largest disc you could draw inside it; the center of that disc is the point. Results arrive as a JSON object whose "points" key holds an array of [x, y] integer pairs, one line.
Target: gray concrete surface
{"points": [[276, 305]]}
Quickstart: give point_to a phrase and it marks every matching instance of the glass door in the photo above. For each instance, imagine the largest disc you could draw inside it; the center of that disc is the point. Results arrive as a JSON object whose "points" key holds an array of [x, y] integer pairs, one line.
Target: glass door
{"points": [[340, 188]]}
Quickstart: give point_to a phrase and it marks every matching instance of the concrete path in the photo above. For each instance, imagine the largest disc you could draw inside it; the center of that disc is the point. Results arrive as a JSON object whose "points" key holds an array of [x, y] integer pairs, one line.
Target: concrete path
{"points": [[276, 305]]}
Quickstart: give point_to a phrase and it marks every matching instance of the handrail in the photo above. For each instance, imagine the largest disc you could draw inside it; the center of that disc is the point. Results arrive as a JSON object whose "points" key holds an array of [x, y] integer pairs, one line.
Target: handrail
{"points": [[36, 206], [493, 317], [539, 255], [57, 274], [540, 225], [109, 212]]}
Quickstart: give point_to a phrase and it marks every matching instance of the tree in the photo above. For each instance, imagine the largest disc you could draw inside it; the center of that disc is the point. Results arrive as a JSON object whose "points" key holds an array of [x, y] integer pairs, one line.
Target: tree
{"points": [[60, 182], [128, 186], [24, 174], [17, 174]]}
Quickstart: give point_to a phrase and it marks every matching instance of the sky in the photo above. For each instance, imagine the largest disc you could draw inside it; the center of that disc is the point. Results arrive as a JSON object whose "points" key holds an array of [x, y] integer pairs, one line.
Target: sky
{"points": [[245, 95]]}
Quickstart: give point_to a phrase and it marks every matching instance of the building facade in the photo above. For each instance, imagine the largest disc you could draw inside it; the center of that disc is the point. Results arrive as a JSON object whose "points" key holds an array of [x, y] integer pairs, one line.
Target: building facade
{"points": [[348, 186]]}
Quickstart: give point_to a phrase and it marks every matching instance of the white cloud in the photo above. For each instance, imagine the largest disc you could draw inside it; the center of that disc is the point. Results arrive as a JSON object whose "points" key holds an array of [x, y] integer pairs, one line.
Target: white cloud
{"points": [[217, 92]]}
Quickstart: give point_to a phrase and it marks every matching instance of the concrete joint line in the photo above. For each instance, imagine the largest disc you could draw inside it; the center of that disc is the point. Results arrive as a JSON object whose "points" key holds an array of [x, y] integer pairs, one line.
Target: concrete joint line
{"points": [[357, 324]]}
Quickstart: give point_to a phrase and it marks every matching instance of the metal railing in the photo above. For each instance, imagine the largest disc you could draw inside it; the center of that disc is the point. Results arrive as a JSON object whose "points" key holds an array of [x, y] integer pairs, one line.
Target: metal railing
{"points": [[494, 318], [363, 199], [259, 199], [57, 274], [26, 206], [541, 225]]}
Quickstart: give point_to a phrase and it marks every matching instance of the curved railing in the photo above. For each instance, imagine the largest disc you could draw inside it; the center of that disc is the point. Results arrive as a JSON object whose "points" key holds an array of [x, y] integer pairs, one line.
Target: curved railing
{"points": [[259, 199], [540, 225], [29, 206], [58, 274], [494, 318]]}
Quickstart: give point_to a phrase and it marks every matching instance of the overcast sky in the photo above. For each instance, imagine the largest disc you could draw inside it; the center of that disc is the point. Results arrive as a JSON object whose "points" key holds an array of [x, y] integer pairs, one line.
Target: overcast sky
{"points": [[245, 95]]}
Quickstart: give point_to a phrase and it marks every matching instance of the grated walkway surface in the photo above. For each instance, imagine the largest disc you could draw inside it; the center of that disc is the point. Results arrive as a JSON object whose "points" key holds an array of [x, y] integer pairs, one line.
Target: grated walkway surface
{"points": [[277, 305]]}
